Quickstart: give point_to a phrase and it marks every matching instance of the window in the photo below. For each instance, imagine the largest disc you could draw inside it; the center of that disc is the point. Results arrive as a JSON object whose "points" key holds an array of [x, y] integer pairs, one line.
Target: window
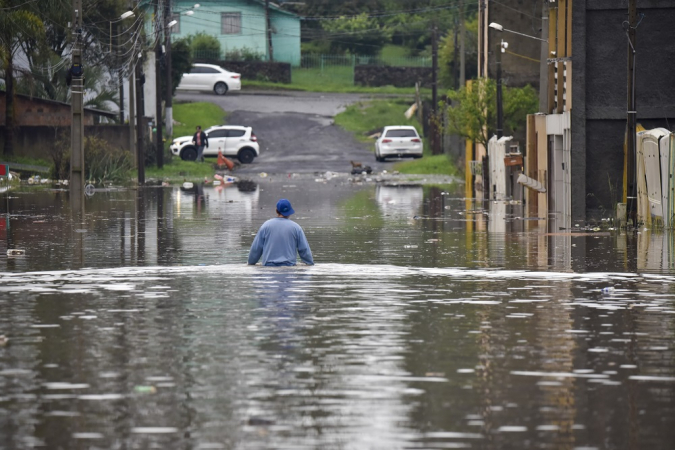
{"points": [[209, 70], [236, 133], [176, 28], [217, 134], [230, 23], [401, 133], [195, 70]]}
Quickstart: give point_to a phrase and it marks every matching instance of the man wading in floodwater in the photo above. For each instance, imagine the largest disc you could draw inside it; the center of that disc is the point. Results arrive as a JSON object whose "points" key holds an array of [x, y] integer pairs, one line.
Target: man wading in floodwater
{"points": [[278, 240]]}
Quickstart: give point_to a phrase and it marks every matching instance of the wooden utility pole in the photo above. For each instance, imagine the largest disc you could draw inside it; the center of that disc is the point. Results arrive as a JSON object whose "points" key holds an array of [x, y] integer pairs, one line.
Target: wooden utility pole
{"points": [[120, 75], [435, 139], [462, 46], [77, 173], [543, 61], [158, 88], [268, 21], [140, 121], [631, 113]]}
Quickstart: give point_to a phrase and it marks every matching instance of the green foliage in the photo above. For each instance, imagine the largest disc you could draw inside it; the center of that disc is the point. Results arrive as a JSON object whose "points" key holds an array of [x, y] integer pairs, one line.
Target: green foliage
{"points": [[204, 46], [244, 54], [360, 35], [181, 61], [475, 115], [104, 164], [448, 65]]}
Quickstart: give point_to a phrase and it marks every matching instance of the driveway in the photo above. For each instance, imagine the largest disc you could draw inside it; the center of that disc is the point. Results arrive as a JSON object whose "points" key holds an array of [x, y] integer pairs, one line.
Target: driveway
{"points": [[295, 130]]}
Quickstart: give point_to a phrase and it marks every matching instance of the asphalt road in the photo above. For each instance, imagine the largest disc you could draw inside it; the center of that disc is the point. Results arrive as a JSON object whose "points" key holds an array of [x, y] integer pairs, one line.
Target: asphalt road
{"points": [[295, 130]]}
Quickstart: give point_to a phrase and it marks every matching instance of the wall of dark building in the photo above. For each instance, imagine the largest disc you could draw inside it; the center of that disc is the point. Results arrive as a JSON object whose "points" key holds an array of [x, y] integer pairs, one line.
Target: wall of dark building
{"points": [[599, 93]]}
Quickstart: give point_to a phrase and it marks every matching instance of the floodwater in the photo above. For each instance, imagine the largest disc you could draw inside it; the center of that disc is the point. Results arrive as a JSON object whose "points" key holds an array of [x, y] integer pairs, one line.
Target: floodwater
{"points": [[429, 322]]}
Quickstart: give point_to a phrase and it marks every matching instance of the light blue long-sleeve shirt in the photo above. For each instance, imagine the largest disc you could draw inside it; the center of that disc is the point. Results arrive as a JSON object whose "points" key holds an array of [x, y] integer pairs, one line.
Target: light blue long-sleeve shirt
{"points": [[277, 242]]}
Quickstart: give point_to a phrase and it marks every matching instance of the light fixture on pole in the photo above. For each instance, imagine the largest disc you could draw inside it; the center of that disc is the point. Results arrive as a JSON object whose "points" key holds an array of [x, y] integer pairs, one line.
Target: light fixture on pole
{"points": [[498, 27], [122, 17]]}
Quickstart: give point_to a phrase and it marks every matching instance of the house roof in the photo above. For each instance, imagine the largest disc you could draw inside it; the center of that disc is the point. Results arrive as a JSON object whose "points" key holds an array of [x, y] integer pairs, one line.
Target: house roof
{"points": [[275, 7], [98, 112]]}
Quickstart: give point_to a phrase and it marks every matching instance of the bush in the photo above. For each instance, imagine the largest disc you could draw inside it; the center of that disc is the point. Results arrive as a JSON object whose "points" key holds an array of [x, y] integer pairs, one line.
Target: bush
{"points": [[103, 163], [204, 46], [244, 54]]}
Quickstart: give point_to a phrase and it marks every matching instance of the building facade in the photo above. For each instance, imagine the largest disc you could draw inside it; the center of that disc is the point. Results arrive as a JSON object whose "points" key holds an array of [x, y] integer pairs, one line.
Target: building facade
{"points": [[241, 26]]}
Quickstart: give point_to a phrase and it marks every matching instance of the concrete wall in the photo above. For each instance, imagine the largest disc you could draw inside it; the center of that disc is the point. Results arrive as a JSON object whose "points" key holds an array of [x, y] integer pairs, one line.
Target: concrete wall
{"points": [[37, 141], [599, 93], [392, 76]]}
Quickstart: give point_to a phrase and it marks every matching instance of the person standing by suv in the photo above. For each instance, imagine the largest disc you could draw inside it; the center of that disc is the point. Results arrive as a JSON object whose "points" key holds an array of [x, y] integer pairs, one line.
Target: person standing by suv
{"points": [[200, 140], [279, 239]]}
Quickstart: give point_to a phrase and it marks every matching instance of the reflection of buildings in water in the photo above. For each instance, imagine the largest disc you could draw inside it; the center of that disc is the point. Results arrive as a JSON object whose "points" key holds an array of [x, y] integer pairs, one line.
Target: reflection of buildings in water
{"points": [[656, 250], [233, 205], [401, 202]]}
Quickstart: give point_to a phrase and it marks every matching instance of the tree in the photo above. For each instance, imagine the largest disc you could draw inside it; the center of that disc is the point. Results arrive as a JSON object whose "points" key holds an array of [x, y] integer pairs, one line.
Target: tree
{"points": [[474, 116], [204, 46], [358, 35], [448, 61], [17, 26], [181, 62]]}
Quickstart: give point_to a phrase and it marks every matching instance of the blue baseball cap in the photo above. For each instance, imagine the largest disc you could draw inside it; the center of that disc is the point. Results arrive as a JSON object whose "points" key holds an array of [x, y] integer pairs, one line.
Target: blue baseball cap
{"points": [[284, 207]]}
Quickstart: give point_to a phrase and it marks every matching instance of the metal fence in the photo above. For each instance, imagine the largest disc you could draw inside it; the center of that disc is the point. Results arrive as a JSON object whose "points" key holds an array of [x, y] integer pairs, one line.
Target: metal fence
{"points": [[339, 69]]}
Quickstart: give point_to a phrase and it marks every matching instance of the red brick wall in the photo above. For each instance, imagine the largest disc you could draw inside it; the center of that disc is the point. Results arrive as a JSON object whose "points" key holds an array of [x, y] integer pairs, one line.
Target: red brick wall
{"points": [[39, 112]]}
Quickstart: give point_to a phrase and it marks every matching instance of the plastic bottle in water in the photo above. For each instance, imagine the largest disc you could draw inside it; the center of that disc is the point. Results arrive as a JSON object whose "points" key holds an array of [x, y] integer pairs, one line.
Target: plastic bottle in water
{"points": [[608, 290]]}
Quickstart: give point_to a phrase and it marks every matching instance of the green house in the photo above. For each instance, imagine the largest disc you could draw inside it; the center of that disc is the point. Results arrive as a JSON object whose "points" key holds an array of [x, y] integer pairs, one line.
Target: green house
{"points": [[240, 25]]}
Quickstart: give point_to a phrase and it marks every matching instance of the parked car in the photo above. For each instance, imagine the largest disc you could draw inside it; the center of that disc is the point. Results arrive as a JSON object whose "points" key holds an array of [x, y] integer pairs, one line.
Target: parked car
{"points": [[399, 141], [209, 77], [232, 140]]}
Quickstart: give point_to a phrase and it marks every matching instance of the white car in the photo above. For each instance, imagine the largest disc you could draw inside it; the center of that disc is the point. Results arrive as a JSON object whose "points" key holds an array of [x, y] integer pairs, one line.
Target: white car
{"points": [[209, 77], [400, 141], [236, 141]]}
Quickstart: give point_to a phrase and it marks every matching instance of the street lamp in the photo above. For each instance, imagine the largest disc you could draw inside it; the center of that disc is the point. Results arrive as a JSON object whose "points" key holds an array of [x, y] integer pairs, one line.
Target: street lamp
{"points": [[122, 17], [499, 27]]}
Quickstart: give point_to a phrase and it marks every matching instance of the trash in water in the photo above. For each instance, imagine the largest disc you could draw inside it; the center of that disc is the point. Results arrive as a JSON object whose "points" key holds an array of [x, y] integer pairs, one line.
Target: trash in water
{"points": [[188, 185], [263, 174], [145, 389], [607, 290], [3, 340], [410, 246], [216, 182], [89, 190], [16, 252]]}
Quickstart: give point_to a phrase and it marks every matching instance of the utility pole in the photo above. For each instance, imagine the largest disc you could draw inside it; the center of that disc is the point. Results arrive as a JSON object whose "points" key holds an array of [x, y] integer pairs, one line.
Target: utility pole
{"points": [[268, 21], [462, 46], [631, 114], [159, 23], [435, 141], [77, 173], [500, 111], [543, 61], [120, 76], [168, 101], [140, 119]]}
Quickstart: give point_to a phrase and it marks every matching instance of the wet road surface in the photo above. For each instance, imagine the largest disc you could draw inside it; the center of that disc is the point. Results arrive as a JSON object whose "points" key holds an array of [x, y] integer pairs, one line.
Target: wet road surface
{"points": [[140, 326], [296, 131]]}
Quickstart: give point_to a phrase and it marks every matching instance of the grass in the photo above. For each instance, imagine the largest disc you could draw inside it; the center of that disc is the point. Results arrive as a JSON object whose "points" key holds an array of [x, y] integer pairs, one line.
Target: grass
{"points": [[189, 115], [26, 160], [394, 51], [366, 118], [430, 164], [199, 113]]}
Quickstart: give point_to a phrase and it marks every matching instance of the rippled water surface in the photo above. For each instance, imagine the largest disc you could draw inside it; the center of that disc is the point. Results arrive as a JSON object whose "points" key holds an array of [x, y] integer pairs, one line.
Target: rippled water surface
{"points": [[429, 321]]}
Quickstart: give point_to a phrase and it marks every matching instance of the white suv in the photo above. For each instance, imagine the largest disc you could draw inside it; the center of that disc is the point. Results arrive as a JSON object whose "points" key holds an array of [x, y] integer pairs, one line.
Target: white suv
{"points": [[232, 140], [400, 141], [209, 77]]}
